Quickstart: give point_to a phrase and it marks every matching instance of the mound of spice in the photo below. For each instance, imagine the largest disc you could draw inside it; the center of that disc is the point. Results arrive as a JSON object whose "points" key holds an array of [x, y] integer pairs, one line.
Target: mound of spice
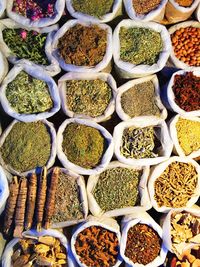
{"points": [[140, 100], [145, 6], [42, 251], [26, 44], [88, 97], [184, 3], [140, 45], [186, 90], [143, 244], [117, 188], [139, 143], [97, 246], [34, 9], [188, 133], [27, 146], [178, 182], [83, 45], [95, 8], [185, 42], [83, 145], [28, 95]]}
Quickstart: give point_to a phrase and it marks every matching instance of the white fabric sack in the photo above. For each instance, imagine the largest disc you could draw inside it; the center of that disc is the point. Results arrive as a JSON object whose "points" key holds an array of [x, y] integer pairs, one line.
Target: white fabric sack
{"points": [[87, 76], [2, 244], [53, 68], [159, 169], [129, 70], [197, 13], [4, 189], [125, 87], [39, 74], [71, 166], [145, 203], [175, 13], [74, 68], [166, 226], [177, 149], [86, 17], [161, 132], [51, 159], [178, 63], [3, 66], [156, 14], [2, 8], [143, 218], [8, 252], [43, 22], [107, 223]]}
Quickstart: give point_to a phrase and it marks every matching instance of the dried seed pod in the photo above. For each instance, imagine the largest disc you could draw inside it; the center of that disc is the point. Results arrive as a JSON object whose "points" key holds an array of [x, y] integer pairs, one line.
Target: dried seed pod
{"points": [[61, 256], [21, 261], [47, 240], [10, 205], [16, 254], [24, 245], [41, 249], [61, 261], [44, 261]]}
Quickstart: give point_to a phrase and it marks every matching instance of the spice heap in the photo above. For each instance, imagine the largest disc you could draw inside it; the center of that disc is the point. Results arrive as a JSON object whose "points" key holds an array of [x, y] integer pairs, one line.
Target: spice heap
{"points": [[145, 6], [140, 45], [42, 251], [88, 97], [184, 3], [95, 8], [34, 9], [188, 133], [26, 44], [140, 100], [83, 145], [117, 188], [28, 95], [139, 143], [27, 146], [143, 244], [185, 42], [190, 258], [83, 46], [178, 182], [186, 89], [97, 246]]}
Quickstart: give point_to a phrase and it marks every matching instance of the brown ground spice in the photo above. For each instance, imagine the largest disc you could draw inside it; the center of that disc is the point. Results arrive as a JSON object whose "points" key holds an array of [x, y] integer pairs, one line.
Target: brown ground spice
{"points": [[184, 3], [145, 6], [83, 46]]}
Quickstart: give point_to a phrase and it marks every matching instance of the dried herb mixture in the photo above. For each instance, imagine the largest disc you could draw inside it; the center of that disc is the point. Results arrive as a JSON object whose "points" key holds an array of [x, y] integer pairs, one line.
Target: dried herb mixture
{"points": [[184, 3], [145, 6]]}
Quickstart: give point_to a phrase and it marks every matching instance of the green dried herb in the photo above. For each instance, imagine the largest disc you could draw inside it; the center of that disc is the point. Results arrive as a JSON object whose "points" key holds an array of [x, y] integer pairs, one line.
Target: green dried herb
{"points": [[139, 143], [95, 8], [88, 97], [27, 146], [83, 145], [140, 45], [26, 44], [140, 100], [28, 95], [117, 188], [67, 202]]}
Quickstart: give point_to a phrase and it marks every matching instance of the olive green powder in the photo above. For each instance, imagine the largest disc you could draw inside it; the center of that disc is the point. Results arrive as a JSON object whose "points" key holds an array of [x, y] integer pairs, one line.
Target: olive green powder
{"points": [[27, 146], [83, 145], [117, 188], [140, 45], [88, 97]]}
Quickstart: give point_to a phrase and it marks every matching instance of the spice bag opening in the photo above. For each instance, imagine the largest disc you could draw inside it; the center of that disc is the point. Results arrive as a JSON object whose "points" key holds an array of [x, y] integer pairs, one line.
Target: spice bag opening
{"points": [[4, 67], [106, 58], [2, 8], [128, 70], [177, 59], [72, 103], [108, 225], [49, 131], [176, 13], [23, 17], [145, 83], [142, 154], [142, 218], [154, 14], [197, 13], [141, 204], [14, 35], [106, 155], [184, 132], [101, 18], [79, 180], [4, 189], [40, 100], [185, 190]]}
